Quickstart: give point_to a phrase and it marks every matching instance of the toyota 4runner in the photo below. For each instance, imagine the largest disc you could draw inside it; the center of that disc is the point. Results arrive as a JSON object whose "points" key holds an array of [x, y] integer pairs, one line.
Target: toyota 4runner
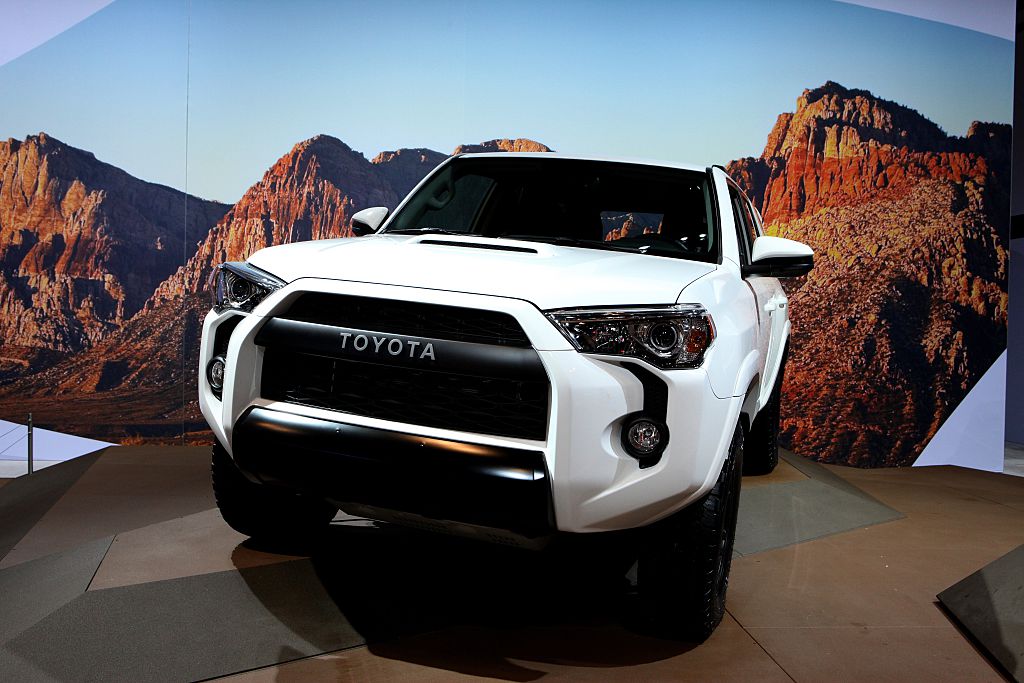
{"points": [[531, 347]]}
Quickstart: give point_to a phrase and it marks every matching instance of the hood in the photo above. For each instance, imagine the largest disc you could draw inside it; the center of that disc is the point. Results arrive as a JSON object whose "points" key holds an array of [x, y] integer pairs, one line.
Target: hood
{"points": [[548, 276]]}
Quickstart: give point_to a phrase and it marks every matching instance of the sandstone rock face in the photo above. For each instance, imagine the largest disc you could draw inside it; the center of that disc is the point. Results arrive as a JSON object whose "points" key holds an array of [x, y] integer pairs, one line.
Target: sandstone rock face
{"points": [[403, 168], [310, 193], [845, 111], [904, 311], [906, 306], [145, 352], [137, 384], [138, 379], [83, 244], [752, 174], [842, 147], [503, 145]]}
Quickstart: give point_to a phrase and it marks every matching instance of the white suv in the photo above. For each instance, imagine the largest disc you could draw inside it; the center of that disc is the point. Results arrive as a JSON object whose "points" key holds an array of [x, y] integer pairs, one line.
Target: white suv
{"points": [[532, 347]]}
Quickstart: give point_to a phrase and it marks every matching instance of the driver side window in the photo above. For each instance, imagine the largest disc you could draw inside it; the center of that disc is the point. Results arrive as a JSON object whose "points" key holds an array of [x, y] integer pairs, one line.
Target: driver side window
{"points": [[745, 228], [754, 227], [458, 206]]}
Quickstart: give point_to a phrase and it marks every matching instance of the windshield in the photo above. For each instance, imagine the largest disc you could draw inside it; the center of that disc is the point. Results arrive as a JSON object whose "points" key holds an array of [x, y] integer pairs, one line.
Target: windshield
{"points": [[589, 204]]}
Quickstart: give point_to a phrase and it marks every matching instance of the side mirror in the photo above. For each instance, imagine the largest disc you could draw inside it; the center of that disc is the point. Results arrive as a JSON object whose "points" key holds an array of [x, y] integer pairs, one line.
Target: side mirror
{"points": [[368, 220], [779, 257]]}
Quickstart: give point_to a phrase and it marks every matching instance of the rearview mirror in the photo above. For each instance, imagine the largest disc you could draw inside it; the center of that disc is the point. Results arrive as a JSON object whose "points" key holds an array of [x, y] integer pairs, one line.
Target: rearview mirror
{"points": [[779, 257], [368, 220]]}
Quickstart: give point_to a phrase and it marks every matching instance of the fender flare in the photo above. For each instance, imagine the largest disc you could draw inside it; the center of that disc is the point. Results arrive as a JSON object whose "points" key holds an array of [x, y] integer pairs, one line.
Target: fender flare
{"points": [[748, 383], [750, 402], [786, 334], [747, 373]]}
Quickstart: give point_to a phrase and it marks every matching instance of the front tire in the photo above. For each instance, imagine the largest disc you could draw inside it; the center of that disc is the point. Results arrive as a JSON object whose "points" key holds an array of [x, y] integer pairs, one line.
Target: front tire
{"points": [[762, 448], [261, 511], [683, 570]]}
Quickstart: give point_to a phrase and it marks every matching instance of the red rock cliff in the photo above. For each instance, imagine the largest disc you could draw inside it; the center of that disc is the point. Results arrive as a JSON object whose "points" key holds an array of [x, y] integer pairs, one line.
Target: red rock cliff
{"points": [[841, 147], [312, 193], [503, 145], [82, 243], [906, 306], [133, 379], [404, 168]]}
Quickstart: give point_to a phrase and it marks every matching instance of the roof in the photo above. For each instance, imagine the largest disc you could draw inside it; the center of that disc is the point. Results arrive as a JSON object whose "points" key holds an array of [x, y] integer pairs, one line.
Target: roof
{"points": [[559, 155]]}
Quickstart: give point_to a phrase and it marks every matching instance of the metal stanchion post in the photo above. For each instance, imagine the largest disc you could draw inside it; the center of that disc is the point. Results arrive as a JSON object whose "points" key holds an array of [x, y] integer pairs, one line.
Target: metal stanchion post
{"points": [[30, 443]]}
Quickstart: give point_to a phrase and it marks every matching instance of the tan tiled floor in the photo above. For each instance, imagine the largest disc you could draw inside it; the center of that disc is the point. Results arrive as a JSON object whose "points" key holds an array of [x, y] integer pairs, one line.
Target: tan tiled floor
{"points": [[852, 606], [201, 543], [878, 655], [857, 606], [585, 652], [162, 483], [195, 544], [782, 474], [1013, 459], [862, 604]]}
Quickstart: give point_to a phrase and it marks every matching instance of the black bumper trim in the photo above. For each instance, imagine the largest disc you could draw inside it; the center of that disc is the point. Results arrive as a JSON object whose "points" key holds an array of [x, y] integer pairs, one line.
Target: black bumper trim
{"points": [[489, 486]]}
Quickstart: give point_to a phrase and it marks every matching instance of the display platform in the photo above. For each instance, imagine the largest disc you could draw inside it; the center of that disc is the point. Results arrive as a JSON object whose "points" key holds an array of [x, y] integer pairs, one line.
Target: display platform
{"points": [[117, 566], [989, 605]]}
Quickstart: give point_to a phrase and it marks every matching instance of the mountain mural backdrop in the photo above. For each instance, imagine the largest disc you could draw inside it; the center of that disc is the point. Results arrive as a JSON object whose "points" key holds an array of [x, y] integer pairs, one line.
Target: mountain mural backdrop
{"points": [[906, 306], [102, 290]]}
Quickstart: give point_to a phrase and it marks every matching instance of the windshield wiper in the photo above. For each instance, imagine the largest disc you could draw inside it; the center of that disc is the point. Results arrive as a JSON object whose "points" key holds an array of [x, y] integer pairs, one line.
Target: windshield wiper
{"points": [[427, 231], [569, 242]]}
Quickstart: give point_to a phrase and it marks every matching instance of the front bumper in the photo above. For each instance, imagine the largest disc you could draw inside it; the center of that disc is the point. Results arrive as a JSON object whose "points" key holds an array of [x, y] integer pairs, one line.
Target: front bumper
{"points": [[428, 479], [589, 482]]}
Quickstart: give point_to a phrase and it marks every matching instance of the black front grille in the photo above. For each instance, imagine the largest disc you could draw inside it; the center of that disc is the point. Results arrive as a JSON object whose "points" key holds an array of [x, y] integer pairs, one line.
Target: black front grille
{"points": [[409, 318], [447, 400]]}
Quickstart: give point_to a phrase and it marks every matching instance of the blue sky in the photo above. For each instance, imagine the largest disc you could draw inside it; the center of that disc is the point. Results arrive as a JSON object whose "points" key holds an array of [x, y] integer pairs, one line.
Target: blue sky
{"points": [[699, 82]]}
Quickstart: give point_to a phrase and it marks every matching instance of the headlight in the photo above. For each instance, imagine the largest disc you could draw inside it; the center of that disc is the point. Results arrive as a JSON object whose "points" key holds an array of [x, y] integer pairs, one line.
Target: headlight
{"points": [[667, 336], [239, 286]]}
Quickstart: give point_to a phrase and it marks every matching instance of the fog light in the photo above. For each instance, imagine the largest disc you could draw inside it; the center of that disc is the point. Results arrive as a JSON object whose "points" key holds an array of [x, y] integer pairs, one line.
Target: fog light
{"points": [[643, 437], [215, 374]]}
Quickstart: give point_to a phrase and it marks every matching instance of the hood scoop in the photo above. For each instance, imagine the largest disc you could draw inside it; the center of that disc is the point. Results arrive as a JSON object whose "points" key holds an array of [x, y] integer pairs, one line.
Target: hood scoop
{"points": [[497, 246]]}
